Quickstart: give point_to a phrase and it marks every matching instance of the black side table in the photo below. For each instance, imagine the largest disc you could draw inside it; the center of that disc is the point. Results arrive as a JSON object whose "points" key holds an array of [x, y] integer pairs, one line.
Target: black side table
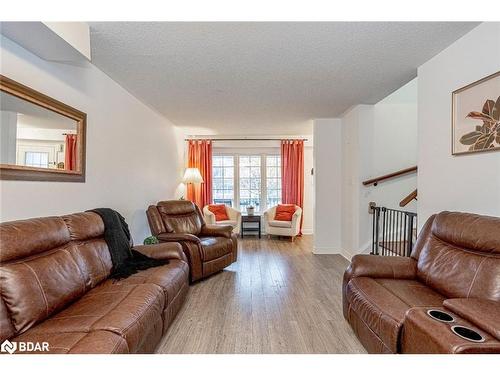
{"points": [[250, 219]]}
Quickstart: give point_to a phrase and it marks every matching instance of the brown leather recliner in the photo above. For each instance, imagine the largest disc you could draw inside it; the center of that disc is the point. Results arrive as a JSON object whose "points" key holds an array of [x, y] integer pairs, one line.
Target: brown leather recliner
{"points": [[54, 288], [454, 268], [209, 248]]}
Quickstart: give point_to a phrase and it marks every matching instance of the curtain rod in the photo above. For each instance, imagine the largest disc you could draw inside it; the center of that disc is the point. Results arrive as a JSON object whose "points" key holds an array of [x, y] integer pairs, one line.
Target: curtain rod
{"points": [[244, 139]]}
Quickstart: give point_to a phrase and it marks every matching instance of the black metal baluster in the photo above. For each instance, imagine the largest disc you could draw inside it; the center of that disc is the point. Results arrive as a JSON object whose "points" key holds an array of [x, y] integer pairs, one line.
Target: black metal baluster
{"points": [[388, 234], [405, 247], [396, 234], [373, 232], [387, 231], [410, 235], [384, 212], [401, 225], [391, 247], [377, 235]]}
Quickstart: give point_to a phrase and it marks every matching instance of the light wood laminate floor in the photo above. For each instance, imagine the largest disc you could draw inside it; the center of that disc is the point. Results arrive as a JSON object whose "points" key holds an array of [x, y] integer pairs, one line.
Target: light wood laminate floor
{"points": [[277, 298]]}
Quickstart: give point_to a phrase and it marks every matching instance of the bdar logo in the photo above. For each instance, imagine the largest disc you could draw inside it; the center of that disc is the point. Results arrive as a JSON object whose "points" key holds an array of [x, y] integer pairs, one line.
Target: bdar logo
{"points": [[8, 347], [22, 347]]}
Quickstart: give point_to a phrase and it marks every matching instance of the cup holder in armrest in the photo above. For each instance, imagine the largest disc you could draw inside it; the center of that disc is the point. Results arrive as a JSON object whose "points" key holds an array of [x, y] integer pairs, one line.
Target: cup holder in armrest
{"points": [[467, 333], [440, 315]]}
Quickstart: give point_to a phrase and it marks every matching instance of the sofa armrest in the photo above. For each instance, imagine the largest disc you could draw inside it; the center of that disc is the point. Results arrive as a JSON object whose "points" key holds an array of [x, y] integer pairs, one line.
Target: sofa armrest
{"points": [[232, 213], [481, 312], [216, 231], [170, 250], [376, 266], [209, 216], [421, 334], [155, 221], [178, 237], [382, 267], [296, 219]]}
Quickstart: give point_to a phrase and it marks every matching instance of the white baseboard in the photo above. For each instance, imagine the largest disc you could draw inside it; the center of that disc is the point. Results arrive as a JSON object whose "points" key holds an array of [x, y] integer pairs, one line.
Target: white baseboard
{"points": [[326, 250], [346, 255]]}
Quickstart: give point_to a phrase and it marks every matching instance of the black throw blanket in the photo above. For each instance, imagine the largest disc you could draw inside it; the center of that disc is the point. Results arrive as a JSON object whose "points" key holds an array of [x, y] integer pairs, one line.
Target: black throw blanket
{"points": [[126, 261]]}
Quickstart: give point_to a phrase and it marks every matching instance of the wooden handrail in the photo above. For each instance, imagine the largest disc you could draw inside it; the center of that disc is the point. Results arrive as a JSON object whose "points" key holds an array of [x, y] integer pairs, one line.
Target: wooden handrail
{"points": [[408, 198], [376, 180]]}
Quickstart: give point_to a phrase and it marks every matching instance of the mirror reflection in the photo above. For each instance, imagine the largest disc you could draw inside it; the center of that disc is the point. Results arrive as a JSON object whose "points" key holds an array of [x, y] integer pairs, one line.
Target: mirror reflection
{"points": [[33, 136]]}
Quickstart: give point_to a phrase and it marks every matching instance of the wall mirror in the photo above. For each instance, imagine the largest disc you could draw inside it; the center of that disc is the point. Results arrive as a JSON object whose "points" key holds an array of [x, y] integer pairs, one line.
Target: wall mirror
{"points": [[41, 139]]}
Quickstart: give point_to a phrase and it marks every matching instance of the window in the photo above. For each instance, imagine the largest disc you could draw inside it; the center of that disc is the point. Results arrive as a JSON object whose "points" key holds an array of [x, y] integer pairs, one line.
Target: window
{"points": [[243, 180], [223, 179], [273, 180], [37, 159], [250, 182]]}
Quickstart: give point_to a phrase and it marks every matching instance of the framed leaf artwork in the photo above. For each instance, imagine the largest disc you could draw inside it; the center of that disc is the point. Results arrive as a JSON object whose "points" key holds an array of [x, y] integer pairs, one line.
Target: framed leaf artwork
{"points": [[476, 116]]}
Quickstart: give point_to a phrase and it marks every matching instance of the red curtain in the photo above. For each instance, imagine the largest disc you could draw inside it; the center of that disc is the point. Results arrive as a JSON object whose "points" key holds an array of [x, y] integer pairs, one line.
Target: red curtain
{"points": [[200, 156], [292, 173], [70, 153]]}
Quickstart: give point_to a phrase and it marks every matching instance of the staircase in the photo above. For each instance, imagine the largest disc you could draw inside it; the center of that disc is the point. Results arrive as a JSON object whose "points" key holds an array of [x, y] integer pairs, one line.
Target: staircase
{"points": [[394, 231]]}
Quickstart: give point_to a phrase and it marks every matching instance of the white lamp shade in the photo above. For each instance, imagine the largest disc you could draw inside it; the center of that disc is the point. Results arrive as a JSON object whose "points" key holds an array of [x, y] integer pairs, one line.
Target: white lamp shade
{"points": [[192, 176]]}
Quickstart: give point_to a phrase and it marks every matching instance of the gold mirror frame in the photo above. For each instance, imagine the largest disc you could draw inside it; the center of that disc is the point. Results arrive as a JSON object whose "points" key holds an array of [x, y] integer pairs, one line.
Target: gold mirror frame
{"points": [[19, 172]]}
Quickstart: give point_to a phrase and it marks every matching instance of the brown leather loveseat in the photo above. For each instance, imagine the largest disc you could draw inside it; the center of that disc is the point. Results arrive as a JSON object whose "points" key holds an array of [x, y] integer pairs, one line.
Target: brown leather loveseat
{"points": [[454, 269], [54, 288], [209, 248]]}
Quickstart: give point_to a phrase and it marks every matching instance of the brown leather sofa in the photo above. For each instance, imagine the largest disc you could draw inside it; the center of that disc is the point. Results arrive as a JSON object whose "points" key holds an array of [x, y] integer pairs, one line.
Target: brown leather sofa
{"points": [[454, 268], [55, 288], [209, 248]]}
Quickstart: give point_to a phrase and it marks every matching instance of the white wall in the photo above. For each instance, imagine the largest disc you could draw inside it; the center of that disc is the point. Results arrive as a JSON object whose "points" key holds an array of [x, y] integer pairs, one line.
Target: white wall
{"points": [[356, 130], [8, 136], [393, 146], [327, 186], [132, 152], [469, 183], [372, 140], [77, 34], [43, 134]]}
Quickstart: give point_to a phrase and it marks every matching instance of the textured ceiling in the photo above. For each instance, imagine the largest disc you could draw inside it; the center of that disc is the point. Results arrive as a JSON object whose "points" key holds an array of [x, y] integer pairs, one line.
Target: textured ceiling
{"points": [[264, 78]]}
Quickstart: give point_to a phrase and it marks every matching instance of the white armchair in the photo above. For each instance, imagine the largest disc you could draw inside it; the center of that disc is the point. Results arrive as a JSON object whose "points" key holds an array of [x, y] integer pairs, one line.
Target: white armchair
{"points": [[233, 214], [282, 228]]}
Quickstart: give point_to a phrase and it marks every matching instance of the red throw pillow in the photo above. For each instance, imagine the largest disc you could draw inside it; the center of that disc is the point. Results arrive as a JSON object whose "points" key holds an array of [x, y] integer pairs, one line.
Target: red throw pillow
{"points": [[284, 212], [219, 210]]}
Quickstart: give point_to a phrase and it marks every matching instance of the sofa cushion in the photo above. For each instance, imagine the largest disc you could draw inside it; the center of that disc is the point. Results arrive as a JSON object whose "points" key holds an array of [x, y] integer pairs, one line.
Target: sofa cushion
{"points": [[84, 225], [50, 282], [280, 224], [53, 280], [24, 238], [53, 260], [95, 342], [170, 277], [469, 231], [412, 292], [458, 273], [382, 304], [129, 311], [284, 212], [219, 210], [180, 217], [459, 256], [7, 329], [215, 247]]}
